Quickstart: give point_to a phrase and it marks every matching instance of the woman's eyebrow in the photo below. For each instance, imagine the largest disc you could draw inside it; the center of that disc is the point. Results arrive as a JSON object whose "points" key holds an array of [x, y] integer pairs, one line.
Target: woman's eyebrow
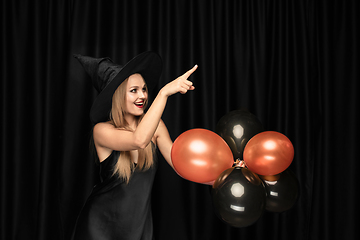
{"points": [[136, 86]]}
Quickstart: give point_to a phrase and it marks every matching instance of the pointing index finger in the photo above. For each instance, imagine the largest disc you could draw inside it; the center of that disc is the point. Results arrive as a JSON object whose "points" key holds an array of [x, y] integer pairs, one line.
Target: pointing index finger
{"points": [[189, 72]]}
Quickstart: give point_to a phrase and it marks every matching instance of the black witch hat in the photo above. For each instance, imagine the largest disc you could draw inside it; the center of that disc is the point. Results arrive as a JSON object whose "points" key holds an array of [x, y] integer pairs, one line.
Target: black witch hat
{"points": [[107, 76]]}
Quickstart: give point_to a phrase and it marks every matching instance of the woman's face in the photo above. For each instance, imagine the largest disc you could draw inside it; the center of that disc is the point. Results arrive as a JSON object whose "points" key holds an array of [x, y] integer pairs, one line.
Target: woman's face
{"points": [[136, 95]]}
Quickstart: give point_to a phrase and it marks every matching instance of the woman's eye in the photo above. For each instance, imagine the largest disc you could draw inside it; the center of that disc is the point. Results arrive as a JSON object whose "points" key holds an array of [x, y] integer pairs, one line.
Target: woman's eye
{"points": [[133, 90]]}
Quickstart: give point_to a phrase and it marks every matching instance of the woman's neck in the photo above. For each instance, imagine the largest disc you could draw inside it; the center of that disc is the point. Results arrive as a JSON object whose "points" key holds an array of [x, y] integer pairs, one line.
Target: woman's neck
{"points": [[131, 121]]}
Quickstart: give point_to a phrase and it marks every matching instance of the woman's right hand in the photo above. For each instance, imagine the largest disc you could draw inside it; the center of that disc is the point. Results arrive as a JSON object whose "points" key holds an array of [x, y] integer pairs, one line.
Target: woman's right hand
{"points": [[181, 84]]}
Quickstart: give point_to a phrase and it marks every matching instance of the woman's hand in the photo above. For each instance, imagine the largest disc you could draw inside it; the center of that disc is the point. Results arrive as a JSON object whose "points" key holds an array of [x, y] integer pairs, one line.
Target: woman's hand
{"points": [[181, 84]]}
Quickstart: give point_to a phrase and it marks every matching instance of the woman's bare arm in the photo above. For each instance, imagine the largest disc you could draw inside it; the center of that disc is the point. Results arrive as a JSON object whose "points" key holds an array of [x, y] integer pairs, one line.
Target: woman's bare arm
{"points": [[109, 137]]}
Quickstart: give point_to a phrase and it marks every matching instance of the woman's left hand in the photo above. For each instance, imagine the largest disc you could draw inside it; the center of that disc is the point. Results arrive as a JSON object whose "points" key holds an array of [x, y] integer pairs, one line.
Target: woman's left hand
{"points": [[181, 84]]}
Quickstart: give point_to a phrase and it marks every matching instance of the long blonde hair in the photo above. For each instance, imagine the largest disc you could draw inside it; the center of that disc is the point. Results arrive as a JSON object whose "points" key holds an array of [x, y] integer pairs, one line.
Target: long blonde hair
{"points": [[124, 166]]}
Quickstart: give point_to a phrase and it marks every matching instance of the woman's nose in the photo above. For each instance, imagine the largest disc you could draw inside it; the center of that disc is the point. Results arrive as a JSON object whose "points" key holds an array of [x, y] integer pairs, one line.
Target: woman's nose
{"points": [[141, 94]]}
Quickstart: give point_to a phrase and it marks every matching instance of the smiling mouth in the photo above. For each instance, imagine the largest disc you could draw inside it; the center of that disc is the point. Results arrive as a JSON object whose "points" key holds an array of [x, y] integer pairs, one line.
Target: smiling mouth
{"points": [[139, 104]]}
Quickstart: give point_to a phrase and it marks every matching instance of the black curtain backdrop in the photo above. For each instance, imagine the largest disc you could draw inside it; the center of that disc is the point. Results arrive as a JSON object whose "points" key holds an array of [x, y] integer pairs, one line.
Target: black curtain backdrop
{"points": [[292, 63]]}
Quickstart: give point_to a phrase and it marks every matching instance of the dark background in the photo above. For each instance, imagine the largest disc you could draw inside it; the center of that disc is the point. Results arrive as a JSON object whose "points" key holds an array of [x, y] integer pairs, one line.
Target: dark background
{"points": [[292, 63]]}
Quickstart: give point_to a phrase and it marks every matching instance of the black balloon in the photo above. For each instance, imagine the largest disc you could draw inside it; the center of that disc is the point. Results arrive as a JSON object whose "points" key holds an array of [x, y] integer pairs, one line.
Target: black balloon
{"points": [[282, 193], [238, 197], [236, 128]]}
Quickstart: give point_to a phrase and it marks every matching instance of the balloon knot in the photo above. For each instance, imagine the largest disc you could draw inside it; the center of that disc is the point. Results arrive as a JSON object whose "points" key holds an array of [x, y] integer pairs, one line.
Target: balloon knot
{"points": [[240, 163]]}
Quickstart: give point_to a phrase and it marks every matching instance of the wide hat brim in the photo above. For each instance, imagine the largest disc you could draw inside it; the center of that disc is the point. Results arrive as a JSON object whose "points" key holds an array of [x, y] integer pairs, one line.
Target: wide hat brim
{"points": [[148, 64]]}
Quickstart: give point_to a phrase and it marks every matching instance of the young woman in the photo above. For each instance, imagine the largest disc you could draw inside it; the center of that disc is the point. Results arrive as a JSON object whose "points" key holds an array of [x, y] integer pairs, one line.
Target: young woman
{"points": [[125, 138]]}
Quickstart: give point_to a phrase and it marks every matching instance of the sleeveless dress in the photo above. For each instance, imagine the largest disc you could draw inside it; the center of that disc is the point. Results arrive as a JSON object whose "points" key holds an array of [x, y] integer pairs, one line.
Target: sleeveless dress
{"points": [[116, 210]]}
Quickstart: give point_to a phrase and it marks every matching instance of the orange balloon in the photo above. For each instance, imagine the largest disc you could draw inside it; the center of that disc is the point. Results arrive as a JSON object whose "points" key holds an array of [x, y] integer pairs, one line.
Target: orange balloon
{"points": [[268, 153], [200, 155]]}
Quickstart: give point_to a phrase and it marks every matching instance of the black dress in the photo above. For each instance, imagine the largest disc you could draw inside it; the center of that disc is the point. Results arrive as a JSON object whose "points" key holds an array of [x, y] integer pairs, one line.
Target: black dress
{"points": [[116, 210]]}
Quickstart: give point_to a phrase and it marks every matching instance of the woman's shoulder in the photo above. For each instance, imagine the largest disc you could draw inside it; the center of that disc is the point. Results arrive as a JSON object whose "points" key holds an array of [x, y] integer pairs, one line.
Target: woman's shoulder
{"points": [[102, 129], [107, 125], [103, 126], [105, 130]]}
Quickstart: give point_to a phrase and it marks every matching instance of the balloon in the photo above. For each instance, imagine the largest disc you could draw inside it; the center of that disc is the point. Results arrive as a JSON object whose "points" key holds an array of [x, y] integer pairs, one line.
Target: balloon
{"points": [[200, 155], [268, 153], [282, 193], [236, 128], [238, 197]]}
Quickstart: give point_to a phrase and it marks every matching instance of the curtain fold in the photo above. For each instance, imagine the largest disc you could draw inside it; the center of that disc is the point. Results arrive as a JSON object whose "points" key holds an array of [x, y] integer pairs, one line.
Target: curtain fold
{"points": [[291, 63]]}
